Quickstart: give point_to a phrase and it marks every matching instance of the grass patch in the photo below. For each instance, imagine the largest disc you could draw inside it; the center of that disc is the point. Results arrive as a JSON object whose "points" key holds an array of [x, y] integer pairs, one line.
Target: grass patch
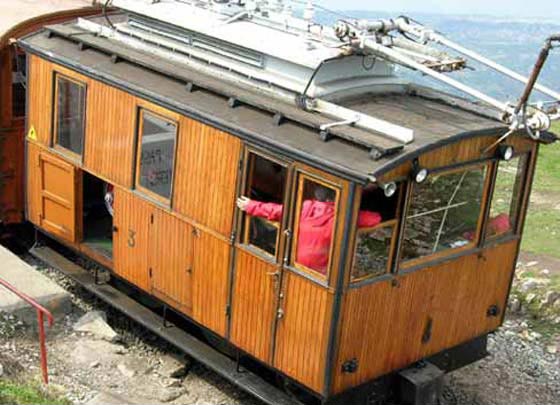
{"points": [[29, 393], [542, 229]]}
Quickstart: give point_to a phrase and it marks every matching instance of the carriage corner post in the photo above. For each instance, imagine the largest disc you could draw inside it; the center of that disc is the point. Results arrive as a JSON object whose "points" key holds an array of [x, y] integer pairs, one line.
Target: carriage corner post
{"points": [[284, 228]]}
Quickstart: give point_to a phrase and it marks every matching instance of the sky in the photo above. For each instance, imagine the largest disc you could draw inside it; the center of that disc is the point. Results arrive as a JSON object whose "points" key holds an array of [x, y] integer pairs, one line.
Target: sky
{"points": [[511, 8]]}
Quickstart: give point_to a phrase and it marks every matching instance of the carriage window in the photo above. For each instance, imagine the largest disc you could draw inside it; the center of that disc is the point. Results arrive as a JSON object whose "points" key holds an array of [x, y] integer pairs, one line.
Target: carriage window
{"points": [[70, 114], [444, 213], [376, 230], [156, 156], [265, 189], [315, 222], [19, 75], [506, 201]]}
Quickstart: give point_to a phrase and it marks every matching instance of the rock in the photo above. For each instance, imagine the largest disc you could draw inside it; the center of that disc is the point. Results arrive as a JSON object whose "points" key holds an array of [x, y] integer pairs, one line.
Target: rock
{"points": [[88, 352], [95, 322], [94, 364], [530, 298], [1, 370], [127, 372], [551, 298], [515, 305], [173, 367], [552, 349], [171, 394], [533, 283], [133, 366], [532, 264], [545, 273]]}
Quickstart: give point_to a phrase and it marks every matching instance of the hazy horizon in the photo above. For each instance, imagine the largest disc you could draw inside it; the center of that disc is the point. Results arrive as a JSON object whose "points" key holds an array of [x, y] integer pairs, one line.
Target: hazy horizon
{"points": [[548, 9]]}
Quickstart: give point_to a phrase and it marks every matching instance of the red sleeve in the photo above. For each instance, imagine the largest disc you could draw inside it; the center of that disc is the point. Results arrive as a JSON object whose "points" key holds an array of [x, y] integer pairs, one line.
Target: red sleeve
{"points": [[368, 219], [270, 211]]}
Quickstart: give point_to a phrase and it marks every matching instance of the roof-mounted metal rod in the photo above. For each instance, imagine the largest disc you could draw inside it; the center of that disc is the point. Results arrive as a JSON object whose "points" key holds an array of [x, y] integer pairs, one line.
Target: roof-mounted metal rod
{"points": [[373, 37], [424, 35]]}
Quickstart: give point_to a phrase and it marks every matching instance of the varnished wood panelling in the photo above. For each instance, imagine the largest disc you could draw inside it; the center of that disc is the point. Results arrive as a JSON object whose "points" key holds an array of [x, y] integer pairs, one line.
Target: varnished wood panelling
{"points": [[303, 332], [206, 175], [210, 281], [11, 176], [110, 133], [33, 183], [457, 153], [40, 98], [5, 89], [253, 305], [171, 260], [383, 326], [131, 241]]}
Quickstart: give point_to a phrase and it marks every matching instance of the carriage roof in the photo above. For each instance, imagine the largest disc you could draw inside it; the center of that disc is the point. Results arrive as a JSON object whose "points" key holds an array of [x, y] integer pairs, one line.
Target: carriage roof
{"points": [[437, 118]]}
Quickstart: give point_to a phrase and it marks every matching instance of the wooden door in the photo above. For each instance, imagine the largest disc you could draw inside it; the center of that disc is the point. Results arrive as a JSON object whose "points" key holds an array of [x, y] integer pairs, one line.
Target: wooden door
{"points": [[309, 268], [303, 330], [259, 254], [132, 222], [171, 260], [57, 209]]}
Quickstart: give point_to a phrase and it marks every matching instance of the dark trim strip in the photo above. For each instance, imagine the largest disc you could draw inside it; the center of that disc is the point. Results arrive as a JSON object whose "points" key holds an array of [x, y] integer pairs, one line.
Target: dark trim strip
{"points": [[339, 289]]}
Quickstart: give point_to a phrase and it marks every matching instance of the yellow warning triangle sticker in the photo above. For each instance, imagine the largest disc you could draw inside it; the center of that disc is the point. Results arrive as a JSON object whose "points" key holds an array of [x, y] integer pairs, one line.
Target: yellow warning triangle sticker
{"points": [[32, 134]]}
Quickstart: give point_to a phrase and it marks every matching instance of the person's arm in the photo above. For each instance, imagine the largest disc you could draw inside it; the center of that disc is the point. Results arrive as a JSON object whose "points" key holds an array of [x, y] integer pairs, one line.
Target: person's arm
{"points": [[270, 211], [368, 219]]}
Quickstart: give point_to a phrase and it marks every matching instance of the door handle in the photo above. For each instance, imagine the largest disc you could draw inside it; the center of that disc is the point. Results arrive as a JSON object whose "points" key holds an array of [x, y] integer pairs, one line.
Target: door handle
{"points": [[280, 314], [275, 274]]}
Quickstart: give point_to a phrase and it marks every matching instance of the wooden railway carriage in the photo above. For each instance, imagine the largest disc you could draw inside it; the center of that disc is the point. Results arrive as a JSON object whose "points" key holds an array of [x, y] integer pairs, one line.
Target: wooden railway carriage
{"points": [[171, 149]]}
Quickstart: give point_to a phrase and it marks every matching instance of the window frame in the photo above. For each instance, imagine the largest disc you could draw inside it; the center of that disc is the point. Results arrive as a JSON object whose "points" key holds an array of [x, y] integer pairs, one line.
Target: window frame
{"points": [[300, 178], [395, 223], [404, 265], [515, 232], [55, 124], [138, 168], [246, 218]]}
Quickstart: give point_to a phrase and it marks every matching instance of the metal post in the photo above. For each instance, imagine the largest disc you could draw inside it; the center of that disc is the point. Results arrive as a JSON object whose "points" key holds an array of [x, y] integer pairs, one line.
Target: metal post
{"points": [[41, 311], [43, 347]]}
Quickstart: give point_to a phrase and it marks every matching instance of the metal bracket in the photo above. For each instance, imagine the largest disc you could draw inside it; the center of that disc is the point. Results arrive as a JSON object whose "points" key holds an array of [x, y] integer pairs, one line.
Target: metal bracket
{"points": [[350, 366]]}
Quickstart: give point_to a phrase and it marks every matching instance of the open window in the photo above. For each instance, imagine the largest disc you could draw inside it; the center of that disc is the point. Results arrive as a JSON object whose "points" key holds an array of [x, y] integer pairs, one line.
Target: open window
{"points": [[156, 155], [97, 214], [376, 232], [266, 187], [70, 110], [445, 213], [506, 200], [315, 222]]}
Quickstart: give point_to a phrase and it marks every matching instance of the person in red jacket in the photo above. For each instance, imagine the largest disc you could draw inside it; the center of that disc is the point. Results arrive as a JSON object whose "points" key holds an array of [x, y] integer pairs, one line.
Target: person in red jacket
{"points": [[316, 225]]}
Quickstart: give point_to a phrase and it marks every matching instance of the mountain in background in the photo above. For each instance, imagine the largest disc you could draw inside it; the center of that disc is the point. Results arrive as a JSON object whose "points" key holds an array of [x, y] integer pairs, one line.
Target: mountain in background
{"points": [[513, 43]]}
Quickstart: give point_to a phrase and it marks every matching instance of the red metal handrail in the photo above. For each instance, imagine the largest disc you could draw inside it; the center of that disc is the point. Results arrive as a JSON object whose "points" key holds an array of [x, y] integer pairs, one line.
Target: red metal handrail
{"points": [[40, 319]]}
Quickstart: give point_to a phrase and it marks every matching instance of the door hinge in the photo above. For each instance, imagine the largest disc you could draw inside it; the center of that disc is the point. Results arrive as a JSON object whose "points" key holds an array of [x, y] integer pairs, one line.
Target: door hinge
{"points": [[350, 366], [240, 167], [150, 272], [151, 218], [228, 311]]}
